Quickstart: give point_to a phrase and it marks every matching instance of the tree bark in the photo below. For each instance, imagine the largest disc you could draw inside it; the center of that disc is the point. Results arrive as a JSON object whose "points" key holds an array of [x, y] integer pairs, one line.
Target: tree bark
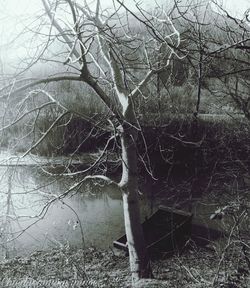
{"points": [[138, 254]]}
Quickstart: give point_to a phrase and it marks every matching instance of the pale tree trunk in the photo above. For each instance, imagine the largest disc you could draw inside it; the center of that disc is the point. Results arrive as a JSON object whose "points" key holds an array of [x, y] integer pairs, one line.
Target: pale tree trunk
{"points": [[82, 52], [138, 254]]}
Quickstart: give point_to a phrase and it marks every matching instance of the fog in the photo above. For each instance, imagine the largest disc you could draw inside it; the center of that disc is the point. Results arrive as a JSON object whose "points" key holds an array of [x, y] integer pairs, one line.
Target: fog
{"points": [[18, 19]]}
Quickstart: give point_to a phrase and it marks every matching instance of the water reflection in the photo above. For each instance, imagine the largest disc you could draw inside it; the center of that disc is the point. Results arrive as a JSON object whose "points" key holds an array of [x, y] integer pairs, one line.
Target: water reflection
{"points": [[31, 220], [92, 216]]}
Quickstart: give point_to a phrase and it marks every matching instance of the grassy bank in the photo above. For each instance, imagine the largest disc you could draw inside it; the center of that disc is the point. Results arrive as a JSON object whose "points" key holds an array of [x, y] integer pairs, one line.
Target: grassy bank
{"points": [[179, 140], [188, 146], [95, 268]]}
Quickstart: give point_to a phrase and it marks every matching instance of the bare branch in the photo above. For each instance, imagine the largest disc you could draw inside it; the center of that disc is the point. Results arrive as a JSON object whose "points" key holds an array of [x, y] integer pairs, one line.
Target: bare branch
{"points": [[92, 166], [46, 133], [40, 81]]}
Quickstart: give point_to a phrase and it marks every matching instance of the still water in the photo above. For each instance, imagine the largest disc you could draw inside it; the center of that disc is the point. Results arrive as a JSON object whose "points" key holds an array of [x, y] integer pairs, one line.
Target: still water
{"points": [[31, 220]]}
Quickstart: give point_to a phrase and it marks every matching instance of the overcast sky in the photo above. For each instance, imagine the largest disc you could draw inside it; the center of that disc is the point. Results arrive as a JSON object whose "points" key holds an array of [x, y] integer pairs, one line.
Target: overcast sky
{"points": [[14, 12], [16, 7]]}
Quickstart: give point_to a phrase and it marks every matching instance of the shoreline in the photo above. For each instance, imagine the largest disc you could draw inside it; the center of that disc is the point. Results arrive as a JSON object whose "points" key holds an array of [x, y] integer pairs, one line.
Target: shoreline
{"points": [[67, 267]]}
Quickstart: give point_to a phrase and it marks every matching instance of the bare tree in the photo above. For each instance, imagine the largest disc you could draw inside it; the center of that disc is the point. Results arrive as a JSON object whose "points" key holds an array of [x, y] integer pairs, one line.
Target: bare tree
{"points": [[117, 59], [217, 46], [234, 76]]}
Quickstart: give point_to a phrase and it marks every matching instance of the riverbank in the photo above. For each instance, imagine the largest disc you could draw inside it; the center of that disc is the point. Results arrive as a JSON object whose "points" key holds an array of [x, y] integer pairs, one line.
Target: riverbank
{"points": [[93, 268]]}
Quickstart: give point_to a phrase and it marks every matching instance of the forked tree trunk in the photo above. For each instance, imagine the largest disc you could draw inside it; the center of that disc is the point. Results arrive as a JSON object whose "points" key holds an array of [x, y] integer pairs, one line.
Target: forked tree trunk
{"points": [[138, 255]]}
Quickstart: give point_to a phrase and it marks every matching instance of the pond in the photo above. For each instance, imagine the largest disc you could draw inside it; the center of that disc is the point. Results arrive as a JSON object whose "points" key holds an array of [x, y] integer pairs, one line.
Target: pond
{"points": [[31, 219], [91, 214]]}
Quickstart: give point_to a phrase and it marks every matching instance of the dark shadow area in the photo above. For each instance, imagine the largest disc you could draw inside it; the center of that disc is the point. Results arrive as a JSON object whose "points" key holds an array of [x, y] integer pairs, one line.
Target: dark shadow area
{"points": [[169, 231], [166, 230], [202, 235]]}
